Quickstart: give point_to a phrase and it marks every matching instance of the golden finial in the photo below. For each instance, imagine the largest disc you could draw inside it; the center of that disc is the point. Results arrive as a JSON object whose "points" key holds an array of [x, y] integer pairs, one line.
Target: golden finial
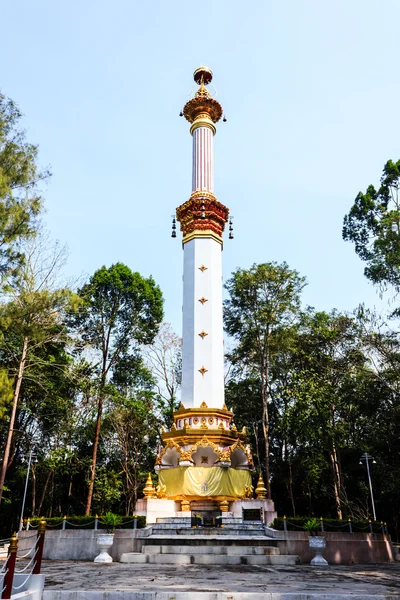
{"points": [[203, 75], [149, 490], [42, 526], [202, 92], [202, 110], [261, 491], [13, 547]]}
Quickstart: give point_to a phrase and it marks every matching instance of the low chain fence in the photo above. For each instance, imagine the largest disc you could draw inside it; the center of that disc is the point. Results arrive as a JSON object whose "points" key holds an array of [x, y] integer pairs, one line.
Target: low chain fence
{"points": [[325, 525], [90, 522]]}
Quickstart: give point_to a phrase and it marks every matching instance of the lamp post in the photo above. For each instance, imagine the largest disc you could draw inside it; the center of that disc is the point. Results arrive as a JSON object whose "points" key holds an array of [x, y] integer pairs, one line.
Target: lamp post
{"points": [[367, 457], [31, 454]]}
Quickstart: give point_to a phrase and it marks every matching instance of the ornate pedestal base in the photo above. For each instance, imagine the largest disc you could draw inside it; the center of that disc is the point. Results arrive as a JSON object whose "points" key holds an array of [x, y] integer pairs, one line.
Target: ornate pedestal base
{"points": [[205, 469]]}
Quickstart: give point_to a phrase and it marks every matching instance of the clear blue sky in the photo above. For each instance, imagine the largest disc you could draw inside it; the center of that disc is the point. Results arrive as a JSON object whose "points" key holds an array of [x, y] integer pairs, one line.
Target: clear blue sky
{"points": [[311, 92]]}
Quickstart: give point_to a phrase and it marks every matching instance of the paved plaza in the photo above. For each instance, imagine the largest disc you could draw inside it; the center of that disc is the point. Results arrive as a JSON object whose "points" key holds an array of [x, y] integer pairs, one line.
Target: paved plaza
{"points": [[192, 582]]}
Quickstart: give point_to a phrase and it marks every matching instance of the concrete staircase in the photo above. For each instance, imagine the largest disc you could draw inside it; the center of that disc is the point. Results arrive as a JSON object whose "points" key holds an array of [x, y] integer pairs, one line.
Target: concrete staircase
{"points": [[174, 541]]}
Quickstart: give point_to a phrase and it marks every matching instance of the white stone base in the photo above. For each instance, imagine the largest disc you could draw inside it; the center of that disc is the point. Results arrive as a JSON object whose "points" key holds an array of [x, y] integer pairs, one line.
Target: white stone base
{"points": [[267, 509], [153, 509]]}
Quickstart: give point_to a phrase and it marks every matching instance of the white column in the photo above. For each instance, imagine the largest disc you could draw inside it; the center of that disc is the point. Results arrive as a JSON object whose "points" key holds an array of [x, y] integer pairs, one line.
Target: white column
{"points": [[202, 172], [202, 316]]}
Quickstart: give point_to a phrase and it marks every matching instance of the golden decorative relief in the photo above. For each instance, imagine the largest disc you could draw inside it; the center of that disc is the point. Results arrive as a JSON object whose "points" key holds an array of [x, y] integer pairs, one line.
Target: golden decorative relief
{"points": [[161, 491], [211, 420], [185, 506], [203, 300], [186, 456], [203, 268], [203, 370], [203, 334], [202, 104], [204, 443], [203, 405], [248, 491], [195, 420], [225, 456], [181, 406], [234, 428]]}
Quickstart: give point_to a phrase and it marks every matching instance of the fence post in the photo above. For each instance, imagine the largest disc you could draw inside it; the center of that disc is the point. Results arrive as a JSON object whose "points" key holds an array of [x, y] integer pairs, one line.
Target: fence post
{"points": [[9, 574], [64, 522], [370, 526], [39, 549], [322, 524], [28, 523], [382, 527], [386, 529], [350, 526], [135, 518], [96, 522], [284, 523]]}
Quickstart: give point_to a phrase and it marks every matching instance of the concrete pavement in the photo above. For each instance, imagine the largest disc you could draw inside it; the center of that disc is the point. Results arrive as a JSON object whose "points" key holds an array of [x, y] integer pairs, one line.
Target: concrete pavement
{"points": [[67, 580]]}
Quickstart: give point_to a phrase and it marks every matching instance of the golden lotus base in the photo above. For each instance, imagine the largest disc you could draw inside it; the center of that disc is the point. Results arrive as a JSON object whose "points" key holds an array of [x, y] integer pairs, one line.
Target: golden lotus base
{"points": [[200, 483]]}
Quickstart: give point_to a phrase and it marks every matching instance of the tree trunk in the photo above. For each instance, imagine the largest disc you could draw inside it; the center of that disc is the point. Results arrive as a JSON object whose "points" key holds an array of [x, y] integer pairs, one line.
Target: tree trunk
{"points": [[44, 492], [51, 494], [94, 457], [291, 488], [337, 482], [265, 417], [7, 448]]}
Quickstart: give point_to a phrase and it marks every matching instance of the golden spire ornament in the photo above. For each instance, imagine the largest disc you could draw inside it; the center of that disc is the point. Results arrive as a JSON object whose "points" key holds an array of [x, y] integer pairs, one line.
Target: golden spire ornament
{"points": [[261, 492], [149, 490]]}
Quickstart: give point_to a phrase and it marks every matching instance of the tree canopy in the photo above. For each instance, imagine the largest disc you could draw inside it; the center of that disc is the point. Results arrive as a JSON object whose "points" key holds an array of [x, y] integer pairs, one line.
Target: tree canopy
{"points": [[373, 225], [20, 177]]}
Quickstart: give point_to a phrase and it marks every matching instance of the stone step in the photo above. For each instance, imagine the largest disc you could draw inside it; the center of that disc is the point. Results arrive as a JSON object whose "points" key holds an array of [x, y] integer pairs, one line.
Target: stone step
{"points": [[208, 559], [222, 540], [201, 533], [223, 550], [174, 520], [175, 526]]}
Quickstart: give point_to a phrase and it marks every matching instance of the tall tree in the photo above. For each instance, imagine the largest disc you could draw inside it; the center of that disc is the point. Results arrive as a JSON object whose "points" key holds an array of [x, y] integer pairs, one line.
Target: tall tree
{"points": [[120, 311], [373, 225], [32, 320], [263, 300], [164, 358], [20, 200]]}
